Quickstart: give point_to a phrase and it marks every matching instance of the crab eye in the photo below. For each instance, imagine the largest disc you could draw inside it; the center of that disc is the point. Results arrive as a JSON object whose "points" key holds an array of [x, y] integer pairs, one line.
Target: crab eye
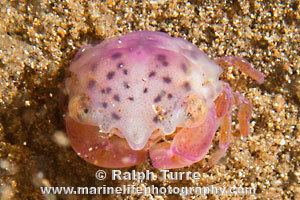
{"points": [[78, 108], [196, 110]]}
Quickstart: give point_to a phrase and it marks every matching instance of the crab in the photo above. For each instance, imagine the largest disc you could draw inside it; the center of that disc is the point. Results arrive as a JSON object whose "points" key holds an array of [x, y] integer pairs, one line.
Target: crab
{"points": [[149, 95]]}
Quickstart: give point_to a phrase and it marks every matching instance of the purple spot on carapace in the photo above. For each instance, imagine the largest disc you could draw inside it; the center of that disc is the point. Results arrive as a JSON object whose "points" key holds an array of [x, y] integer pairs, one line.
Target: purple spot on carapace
{"points": [[161, 57], [126, 85], [165, 63], [116, 55], [170, 96], [106, 90], [91, 84], [187, 86], [157, 99], [116, 97], [167, 79], [125, 71], [110, 75], [184, 67], [145, 90], [155, 119], [115, 116], [104, 104], [131, 98], [152, 74]]}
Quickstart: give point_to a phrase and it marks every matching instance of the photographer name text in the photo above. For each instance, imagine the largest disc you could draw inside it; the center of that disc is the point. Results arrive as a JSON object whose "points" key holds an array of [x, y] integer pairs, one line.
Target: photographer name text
{"points": [[147, 175]]}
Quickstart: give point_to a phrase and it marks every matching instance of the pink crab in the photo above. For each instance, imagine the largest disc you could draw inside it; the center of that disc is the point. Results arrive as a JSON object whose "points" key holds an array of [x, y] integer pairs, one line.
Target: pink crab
{"points": [[146, 93]]}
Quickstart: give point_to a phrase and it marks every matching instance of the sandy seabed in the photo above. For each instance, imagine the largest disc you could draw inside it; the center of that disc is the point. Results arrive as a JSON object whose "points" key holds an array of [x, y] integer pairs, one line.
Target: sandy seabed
{"points": [[38, 38]]}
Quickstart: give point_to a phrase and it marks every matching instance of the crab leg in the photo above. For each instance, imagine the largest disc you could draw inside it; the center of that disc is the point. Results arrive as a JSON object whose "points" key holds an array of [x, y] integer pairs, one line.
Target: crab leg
{"points": [[223, 107], [225, 100], [225, 132], [188, 146], [244, 113], [109, 152], [243, 65], [224, 141]]}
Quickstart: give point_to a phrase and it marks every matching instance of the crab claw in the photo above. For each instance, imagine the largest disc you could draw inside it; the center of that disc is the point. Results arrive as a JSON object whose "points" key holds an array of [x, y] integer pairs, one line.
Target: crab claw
{"points": [[109, 152], [194, 143], [188, 146], [162, 157]]}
